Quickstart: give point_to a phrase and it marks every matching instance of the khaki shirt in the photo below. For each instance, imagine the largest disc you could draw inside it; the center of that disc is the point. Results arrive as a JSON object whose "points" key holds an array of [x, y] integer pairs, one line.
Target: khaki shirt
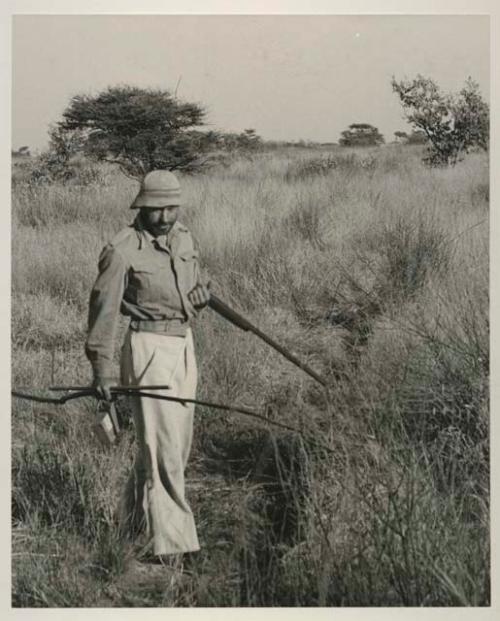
{"points": [[145, 279]]}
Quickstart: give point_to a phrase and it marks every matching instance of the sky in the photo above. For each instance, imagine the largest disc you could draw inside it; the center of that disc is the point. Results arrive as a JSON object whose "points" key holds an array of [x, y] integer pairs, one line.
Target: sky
{"points": [[288, 77]]}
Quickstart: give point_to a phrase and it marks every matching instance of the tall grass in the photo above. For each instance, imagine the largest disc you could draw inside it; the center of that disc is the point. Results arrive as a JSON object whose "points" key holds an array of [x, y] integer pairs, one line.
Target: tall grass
{"points": [[371, 268]]}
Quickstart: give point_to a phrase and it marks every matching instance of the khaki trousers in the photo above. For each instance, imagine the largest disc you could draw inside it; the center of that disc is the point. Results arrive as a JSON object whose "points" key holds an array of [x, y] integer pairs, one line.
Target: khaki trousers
{"points": [[155, 494]]}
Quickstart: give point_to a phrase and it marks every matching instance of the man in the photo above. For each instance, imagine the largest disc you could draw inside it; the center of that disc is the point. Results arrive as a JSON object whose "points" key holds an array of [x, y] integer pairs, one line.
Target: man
{"points": [[150, 272]]}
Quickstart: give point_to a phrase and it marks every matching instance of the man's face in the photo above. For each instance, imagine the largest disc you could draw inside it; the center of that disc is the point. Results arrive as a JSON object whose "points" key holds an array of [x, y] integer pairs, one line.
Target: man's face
{"points": [[159, 221]]}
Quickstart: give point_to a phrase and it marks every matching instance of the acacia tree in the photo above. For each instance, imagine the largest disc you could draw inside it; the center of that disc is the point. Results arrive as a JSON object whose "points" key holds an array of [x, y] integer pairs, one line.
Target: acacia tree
{"points": [[138, 129], [361, 135], [416, 137], [401, 137], [452, 123]]}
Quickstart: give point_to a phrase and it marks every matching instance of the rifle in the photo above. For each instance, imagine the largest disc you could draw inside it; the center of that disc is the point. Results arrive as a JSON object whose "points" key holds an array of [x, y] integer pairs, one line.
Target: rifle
{"points": [[238, 320]]}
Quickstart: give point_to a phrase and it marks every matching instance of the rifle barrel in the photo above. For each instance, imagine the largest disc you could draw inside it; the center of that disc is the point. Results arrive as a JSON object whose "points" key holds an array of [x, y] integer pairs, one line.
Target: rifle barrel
{"points": [[154, 395], [238, 320], [131, 388]]}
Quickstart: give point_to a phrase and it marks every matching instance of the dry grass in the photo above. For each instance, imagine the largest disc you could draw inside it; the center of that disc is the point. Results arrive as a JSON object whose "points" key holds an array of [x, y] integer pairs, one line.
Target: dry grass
{"points": [[370, 267]]}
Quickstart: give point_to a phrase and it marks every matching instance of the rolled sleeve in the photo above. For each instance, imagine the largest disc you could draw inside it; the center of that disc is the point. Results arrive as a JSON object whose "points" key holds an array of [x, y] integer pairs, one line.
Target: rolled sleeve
{"points": [[104, 309]]}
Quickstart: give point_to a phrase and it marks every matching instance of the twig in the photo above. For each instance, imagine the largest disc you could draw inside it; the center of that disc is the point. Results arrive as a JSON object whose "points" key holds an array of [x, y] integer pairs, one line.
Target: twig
{"points": [[177, 86]]}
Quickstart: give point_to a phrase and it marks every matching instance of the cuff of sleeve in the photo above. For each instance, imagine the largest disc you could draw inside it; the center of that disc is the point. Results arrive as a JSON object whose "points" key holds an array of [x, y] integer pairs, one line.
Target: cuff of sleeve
{"points": [[102, 370]]}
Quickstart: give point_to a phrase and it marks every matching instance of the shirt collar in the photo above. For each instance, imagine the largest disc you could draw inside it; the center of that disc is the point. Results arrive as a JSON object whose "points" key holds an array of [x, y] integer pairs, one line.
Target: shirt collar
{"points": [[142, 235]]}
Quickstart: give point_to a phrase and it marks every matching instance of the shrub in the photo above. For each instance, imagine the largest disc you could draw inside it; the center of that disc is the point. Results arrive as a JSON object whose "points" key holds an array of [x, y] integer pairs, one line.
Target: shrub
{"points": [[410, 252], [50, 168], [453, 123], [303, 169]]}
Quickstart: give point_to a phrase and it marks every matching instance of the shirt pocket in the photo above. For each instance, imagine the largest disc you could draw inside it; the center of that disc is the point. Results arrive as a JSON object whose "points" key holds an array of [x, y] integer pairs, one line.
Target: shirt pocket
{"points": [[147, 282], [186, 267]]}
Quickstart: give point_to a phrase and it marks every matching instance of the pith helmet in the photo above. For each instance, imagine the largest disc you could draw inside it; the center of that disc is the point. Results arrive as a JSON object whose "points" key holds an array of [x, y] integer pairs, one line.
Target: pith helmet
{"points": [[159, 188]]}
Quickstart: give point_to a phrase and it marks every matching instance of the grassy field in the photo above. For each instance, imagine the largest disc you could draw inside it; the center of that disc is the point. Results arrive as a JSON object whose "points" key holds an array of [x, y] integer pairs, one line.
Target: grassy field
{"points": [[371, 268]]}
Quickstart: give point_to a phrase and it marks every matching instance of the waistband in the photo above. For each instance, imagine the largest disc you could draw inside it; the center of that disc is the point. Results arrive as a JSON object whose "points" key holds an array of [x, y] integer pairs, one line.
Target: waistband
{"points": [[172, 327]]}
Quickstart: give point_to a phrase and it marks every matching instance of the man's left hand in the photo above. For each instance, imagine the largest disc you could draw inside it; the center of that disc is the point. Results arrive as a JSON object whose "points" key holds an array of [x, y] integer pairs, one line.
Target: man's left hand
{"points": [[199, 296]]}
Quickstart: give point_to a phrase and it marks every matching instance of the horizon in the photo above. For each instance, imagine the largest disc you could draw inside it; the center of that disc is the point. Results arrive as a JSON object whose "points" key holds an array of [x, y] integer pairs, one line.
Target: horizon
{"points": [[290, 78]]}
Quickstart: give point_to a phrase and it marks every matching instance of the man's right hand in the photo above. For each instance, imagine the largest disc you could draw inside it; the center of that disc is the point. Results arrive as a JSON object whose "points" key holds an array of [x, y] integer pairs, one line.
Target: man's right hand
{"points": [[102, 387]]}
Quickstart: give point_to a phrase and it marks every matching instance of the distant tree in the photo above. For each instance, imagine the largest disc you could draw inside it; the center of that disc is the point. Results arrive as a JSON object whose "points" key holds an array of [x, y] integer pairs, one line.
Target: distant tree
{"points": [[138, 129], [452, 123], [66, 143], [21, 152], [417, 137], [249, 139], [361, 135], [246, 140], [401, 137]]}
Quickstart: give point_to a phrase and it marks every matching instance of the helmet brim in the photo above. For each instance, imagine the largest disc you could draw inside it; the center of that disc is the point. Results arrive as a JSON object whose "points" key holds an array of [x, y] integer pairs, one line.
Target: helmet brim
{"points": [[146, 200]]}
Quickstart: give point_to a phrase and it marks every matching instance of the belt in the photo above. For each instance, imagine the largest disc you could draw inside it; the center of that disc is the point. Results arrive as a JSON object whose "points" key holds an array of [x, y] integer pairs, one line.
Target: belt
{"points": [[173, 327]]}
